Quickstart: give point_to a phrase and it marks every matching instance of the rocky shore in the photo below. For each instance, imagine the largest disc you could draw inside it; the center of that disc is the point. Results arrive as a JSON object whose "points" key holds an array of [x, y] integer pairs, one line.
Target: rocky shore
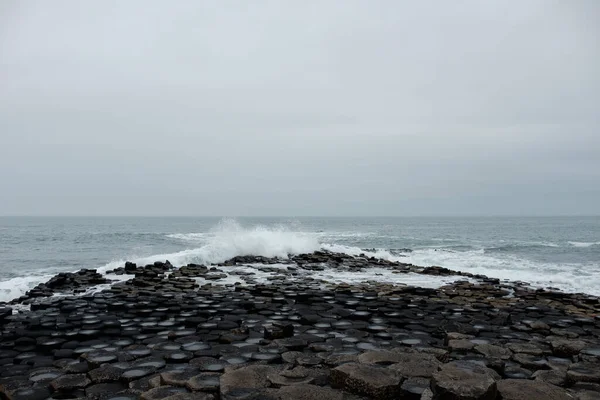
{"points": [[218, 332]]}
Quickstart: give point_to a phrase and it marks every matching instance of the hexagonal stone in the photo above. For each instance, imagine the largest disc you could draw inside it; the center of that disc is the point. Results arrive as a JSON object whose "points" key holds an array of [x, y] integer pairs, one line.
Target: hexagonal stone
{"points": [[95, 360], [179, 357], [309, 392], [270, 358], [44, 375], [413, 388], [531, 362], [587, 395], [591, 351], [279, 380], [461, 345], [204, 383], [67, 383], [382, 357], [367, 380], [463, 380], [416, 365], [33, 393], [567, 348], [162, 393], [492, 351], [136, 373], [208, 364], [557, 377], [336, 359], [519, 389], [250, 377], [177, 378], [526, 348], [190, 396], [103, 389], [583, 372], [105, 374]]}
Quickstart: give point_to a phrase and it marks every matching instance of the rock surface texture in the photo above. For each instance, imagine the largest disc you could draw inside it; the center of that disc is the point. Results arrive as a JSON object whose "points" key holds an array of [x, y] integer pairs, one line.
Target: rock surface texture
{"points": [[179, 334]]}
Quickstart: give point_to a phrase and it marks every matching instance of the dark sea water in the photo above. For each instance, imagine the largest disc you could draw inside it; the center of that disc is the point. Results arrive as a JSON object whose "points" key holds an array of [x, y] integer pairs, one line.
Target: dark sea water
{"points": [[561, 252]]}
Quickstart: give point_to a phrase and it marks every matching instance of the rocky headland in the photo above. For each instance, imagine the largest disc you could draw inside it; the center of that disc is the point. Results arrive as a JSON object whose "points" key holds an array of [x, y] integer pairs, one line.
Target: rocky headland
{"points": [[181, 333]]}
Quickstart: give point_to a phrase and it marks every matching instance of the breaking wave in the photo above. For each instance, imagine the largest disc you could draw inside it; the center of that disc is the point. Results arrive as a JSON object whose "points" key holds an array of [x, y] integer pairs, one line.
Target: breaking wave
{"points": [[229, 239]]}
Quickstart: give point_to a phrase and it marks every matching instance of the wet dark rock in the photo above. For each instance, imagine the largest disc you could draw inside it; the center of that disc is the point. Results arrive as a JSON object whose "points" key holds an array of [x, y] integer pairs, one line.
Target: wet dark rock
{"points": [[95, 360], [413, 388], [102, 389], [518, 389], [309, 392], [367, 380], [178, 377], [269, 358], [163, 392], [31, 393], [492, 351], [136, 373], [587, 395], [531, 362], [278, 331], [280, 380], [416, 365], [526, 348], [515, 371], [382, 357], [464, 381], [105, 374], [190, 396], [159, 330], [583, 372], [567, 348], [555, 377], [45, 376], [206, 382], [250, 377], [68, 383]]}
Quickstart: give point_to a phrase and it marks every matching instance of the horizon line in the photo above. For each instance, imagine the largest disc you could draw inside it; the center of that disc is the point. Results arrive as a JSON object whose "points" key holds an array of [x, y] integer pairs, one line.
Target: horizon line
{"points": [[304, 216]]}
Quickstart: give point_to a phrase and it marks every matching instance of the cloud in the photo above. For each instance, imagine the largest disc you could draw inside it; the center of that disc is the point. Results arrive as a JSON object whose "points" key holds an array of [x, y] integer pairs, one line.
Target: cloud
{"points": [[308, 108]]}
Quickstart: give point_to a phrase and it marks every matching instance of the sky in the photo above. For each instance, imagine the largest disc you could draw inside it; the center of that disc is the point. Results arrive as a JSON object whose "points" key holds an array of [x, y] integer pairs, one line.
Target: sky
{"points": [[234, 108]]}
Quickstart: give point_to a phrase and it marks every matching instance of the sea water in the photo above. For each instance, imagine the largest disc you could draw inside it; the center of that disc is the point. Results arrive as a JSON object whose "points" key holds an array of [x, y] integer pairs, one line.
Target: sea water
{"points": [[558, 252]]}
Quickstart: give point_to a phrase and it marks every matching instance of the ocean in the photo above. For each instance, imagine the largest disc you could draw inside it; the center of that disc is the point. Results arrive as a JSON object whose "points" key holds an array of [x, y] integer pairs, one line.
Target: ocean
{"points": [[558, 252]]}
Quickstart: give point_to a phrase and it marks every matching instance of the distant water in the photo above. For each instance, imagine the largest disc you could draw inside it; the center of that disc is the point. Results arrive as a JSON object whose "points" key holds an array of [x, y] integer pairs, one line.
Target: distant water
{"points": [[560, 252]]}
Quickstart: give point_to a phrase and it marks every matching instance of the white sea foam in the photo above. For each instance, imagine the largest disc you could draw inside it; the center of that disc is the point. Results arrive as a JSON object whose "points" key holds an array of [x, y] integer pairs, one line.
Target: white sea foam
{"points": [[355, 251], [189, 237], [584, 244], [566, 277], [261, 273], [542, 244], [17, 287], [230, 239]]}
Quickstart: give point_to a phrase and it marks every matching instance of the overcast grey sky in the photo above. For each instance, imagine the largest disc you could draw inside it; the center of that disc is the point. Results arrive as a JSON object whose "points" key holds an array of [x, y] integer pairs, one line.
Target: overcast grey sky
{"points": [[299, 107]]}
